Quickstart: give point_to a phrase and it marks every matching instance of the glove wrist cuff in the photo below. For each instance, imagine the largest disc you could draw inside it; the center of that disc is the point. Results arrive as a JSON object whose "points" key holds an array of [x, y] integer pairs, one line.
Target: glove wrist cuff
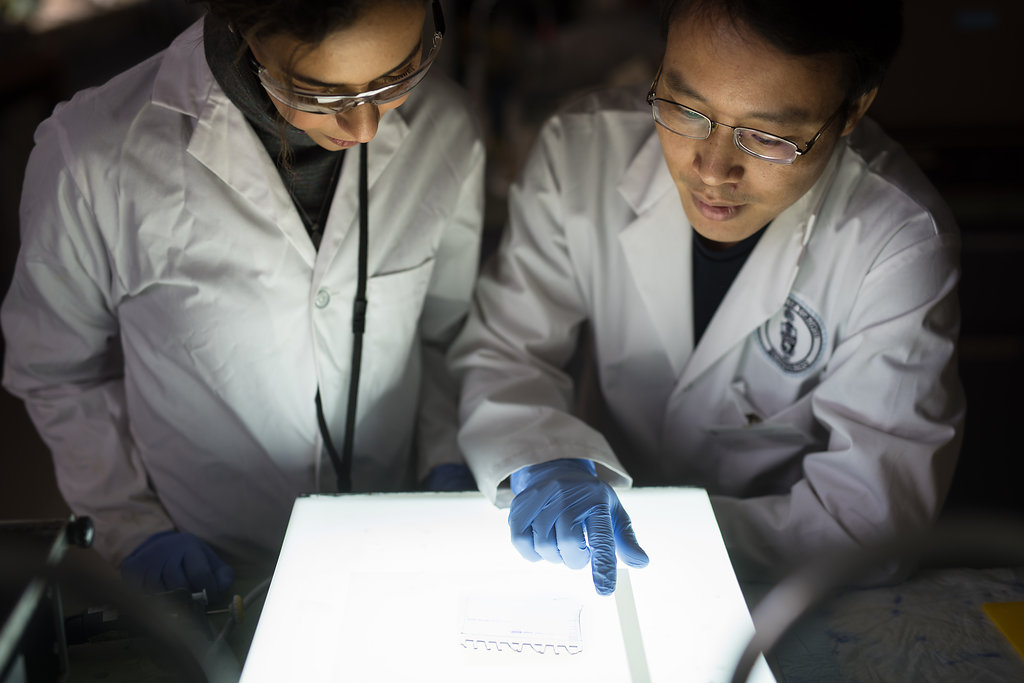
{"points": [[523, 477]]}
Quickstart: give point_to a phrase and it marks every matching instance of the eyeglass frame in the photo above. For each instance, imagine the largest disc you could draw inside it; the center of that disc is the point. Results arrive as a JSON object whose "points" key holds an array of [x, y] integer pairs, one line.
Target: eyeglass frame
{"points": [[347, 102], [712, 124]]}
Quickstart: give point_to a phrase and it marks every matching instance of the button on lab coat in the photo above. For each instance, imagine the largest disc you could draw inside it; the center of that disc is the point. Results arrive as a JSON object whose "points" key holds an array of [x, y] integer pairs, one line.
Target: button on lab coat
{"points": [[170, 321], [821, 407]]}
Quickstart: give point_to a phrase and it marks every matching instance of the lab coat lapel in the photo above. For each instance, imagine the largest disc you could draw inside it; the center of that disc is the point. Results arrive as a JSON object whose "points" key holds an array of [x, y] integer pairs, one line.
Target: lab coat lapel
{"points": [[762, 285], [223, 141], [226, 144], [656, 245], [343, 218], [756, 294]]}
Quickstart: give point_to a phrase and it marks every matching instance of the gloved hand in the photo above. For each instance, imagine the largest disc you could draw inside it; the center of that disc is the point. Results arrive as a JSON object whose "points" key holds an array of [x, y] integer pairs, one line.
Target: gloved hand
{"points": [[175, 559], [450, 477], [560, 507]]}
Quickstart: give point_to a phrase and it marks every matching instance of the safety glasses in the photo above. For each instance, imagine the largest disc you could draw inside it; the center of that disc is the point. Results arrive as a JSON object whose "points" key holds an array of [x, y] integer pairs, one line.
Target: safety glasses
{"points": [[392, 87]]}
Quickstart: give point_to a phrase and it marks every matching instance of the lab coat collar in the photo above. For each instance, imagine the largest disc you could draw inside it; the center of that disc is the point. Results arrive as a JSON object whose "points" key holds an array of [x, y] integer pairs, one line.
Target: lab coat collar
{"points": [[222, 140], [656, 246], [646, 180], [754, 295], [179, 84], [344, 213], [225, 143], [766, 279]]}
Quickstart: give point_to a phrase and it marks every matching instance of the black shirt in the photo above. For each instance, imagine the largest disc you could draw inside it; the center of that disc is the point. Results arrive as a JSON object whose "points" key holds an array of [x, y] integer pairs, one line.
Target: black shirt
{"points": [[713, 273]]}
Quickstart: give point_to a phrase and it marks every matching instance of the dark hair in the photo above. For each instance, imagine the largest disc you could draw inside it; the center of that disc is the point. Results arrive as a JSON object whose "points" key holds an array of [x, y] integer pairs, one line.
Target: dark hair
{"points": [[865, 36], [308, 21]]}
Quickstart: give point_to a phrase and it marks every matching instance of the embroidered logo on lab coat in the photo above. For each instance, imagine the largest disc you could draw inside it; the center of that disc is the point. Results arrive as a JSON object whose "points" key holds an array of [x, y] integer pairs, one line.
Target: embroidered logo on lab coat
{"points": [[793, 337]]}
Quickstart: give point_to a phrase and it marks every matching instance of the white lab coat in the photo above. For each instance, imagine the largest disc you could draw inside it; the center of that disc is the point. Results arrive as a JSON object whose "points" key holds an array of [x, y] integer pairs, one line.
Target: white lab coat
{"points": [[169, 319], [829, 427]]}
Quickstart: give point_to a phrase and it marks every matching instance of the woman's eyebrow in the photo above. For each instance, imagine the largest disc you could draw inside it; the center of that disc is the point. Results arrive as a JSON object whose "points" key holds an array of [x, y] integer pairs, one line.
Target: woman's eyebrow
{"points": [[321, 84], [785, 116]]}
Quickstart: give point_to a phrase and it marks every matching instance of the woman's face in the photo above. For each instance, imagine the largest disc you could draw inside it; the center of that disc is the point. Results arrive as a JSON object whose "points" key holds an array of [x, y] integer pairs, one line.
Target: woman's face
{"points": [[382, 44]]}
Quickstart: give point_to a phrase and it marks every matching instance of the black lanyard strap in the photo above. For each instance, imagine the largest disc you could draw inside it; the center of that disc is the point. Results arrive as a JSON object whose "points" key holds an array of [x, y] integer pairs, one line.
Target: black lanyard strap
{"points": [[343, 463]]}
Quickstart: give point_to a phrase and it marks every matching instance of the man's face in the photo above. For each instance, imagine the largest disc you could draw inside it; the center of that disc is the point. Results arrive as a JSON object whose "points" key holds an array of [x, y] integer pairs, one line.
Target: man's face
{"points": [[734, 77]]}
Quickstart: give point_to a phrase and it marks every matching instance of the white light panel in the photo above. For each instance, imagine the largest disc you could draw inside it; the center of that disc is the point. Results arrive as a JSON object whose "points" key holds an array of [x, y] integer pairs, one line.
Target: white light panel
{"points": [[427, 587]]}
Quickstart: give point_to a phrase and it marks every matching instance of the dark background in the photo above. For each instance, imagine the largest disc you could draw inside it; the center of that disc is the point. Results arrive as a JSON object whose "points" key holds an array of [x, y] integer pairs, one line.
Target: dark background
{"points": [[953, 98]]}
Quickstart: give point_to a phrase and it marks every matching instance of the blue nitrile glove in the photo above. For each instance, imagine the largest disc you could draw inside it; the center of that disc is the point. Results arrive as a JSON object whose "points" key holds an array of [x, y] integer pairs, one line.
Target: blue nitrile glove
{"points": [[560, 507], [450, 477], [175, 559]]}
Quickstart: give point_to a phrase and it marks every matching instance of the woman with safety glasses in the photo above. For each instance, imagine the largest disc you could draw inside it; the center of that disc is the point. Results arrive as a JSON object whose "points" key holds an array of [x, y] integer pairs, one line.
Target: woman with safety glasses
{"points": [[242, 262]]}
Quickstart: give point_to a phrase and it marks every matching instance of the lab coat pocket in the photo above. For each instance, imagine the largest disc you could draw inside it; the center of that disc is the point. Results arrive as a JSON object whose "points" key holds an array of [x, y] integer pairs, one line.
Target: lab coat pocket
{"points": [[773, 432], [757, 454], [399, 285], [759, 459], [394, 303], [744, 423]]}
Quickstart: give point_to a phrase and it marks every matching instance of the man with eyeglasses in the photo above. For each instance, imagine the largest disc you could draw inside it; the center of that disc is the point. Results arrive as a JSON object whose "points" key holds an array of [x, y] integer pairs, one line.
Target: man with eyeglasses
{"points": [[767, 286]]}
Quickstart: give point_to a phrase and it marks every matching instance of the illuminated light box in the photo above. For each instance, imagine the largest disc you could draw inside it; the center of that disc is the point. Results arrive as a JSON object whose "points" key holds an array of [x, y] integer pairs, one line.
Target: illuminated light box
{"points": [[427, 587]]}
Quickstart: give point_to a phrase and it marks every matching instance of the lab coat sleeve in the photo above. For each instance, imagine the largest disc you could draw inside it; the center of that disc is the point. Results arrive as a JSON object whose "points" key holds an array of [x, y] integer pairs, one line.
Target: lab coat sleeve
{"points": [[516, 402], [63, 356], [444, 313], [893, 406]]}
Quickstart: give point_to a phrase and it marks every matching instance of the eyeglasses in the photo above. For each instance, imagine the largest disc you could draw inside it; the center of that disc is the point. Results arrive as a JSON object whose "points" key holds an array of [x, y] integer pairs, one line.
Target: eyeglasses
{"points": [[317, 102], [690, 123]]}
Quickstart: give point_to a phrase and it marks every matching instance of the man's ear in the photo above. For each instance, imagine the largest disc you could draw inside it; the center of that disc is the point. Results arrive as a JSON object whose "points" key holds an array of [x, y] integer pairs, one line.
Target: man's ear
{"points": [[858, 108]]}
